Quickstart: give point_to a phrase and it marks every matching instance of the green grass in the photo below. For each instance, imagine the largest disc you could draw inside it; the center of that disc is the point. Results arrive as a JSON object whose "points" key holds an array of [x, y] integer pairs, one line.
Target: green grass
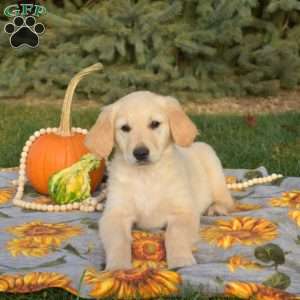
{"points": [[58, 294], [274, 142], [49, 294]]}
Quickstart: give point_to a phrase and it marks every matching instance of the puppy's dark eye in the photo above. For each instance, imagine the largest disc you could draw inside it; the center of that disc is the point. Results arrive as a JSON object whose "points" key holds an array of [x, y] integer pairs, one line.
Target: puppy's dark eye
{"points": [[154, 124], [125, 128]]}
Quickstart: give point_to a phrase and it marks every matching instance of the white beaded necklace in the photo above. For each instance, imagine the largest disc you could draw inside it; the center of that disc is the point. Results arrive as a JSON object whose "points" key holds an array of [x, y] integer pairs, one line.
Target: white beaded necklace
{"points": [[89, 205], [254, 181], [93, 203]]}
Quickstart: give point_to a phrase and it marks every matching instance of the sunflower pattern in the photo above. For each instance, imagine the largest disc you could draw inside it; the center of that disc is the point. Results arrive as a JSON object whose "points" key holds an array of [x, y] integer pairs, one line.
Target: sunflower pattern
{"points": [[38, 238], [137, 282], [239, 261], [6, 194], [250, 290], [288, 199], [35, 281], [295, 216], [27, 247], [240, 230], [148, 249], [252, 253], [47, 233]]}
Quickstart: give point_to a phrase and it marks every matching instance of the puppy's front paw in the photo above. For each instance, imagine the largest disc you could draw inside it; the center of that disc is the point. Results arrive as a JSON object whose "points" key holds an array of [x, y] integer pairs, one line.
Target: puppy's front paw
{"points": [[118, 258], [118, 264], [181, 261]]}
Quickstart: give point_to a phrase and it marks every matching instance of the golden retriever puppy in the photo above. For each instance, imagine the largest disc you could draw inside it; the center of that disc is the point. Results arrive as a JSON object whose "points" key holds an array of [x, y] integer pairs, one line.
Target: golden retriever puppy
{"points": [[157, 177]]}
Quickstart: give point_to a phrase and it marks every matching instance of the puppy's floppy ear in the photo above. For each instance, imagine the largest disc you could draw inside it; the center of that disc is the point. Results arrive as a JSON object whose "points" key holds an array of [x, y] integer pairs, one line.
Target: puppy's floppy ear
{"points": [[100, 138], [182, 128]]}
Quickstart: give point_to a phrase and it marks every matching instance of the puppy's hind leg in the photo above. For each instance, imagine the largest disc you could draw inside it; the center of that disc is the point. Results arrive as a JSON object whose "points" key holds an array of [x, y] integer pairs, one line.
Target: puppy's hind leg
{"points": [[223, 202], [221, 207]]}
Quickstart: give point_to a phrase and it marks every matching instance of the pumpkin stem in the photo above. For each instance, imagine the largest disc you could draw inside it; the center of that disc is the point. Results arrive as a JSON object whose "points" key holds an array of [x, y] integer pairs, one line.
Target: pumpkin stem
{"points": [[65, 121]]}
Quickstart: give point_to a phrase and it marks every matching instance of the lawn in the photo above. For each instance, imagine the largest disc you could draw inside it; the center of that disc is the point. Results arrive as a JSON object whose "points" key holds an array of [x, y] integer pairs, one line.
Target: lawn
{"points": [[58, 294], [269, 140]]}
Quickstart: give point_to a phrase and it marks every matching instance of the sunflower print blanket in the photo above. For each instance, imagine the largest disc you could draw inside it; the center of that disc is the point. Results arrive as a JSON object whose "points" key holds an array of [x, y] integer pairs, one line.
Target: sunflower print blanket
{"points": [[252, 253]]}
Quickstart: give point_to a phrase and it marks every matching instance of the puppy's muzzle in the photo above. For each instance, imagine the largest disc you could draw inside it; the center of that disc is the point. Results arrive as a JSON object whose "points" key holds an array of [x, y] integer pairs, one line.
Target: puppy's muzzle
{"points": [[141, 153]]}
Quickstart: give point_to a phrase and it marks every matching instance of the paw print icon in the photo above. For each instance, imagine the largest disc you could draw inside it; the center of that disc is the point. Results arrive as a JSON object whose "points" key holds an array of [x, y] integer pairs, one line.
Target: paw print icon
{"points": [[24, 32]]}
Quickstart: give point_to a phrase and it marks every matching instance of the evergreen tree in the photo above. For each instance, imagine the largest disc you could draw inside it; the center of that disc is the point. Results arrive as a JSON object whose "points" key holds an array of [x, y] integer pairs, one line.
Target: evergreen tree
{"points": [[203, 48]]}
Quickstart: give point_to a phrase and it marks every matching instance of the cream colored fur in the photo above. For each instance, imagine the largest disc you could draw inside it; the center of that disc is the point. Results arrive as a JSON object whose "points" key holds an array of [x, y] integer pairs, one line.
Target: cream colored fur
{"points": [[181, 181]]}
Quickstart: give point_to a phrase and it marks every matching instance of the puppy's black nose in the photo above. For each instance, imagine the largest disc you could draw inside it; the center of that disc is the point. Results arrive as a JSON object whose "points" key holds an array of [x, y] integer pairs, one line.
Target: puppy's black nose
{"points": [[141, 153]]}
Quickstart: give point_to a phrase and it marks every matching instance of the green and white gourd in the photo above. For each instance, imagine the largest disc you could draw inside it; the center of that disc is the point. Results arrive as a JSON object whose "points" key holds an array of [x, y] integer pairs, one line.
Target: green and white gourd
{"points": [[73, 184]]}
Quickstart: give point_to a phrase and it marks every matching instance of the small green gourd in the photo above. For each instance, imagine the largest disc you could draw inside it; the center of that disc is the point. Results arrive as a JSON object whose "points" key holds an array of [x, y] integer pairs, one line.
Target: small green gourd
{"points": [[73, 183]]}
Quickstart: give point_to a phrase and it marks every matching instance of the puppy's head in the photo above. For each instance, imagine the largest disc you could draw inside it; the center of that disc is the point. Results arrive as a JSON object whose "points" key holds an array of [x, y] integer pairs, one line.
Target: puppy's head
{"points": [[141, 125]]}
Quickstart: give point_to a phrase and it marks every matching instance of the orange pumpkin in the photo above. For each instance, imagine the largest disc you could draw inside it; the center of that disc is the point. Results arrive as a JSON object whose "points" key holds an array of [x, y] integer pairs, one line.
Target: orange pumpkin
{"points": [[52, 152]]}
